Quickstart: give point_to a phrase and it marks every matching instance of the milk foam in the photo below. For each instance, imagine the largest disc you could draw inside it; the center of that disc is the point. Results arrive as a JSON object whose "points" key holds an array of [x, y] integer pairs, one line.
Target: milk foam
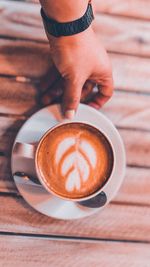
{"points": [[63, 147], [76, 166], [73, 181], [90, 152]]}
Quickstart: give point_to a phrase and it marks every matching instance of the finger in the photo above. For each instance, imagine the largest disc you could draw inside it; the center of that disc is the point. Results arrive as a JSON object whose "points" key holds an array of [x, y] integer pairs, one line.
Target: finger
{"points": [[49, 79], [71, 98], [105, 91], [87, 90], [49, 98], [53, 94]]}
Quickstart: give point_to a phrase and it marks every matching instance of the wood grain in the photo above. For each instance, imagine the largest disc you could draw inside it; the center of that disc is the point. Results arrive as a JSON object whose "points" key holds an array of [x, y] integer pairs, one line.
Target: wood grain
{"points": [[37, 252], [17, 97], [131, 73], [134, 9], [129, 110], [135, 188], [30, 59], [9, 127], [22, 58], [119, 34], [24, 15], [123, 35], [137, 143], [117, 222], [127, 217], [6, 181]]}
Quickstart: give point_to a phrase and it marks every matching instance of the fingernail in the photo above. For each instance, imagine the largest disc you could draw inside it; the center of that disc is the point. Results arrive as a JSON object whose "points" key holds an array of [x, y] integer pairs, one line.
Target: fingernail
{"points": [[69, 114]]}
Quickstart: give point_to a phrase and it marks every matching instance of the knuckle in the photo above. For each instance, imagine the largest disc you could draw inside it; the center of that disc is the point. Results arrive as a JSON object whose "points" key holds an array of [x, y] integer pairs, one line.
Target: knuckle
{"points": [[110, 93], [76, 80], [108, 87], [72, 100]]}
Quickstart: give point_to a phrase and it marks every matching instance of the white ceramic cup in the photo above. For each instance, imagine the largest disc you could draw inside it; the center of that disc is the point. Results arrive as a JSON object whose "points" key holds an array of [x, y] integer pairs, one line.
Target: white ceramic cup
{"points": [[30, 151]]}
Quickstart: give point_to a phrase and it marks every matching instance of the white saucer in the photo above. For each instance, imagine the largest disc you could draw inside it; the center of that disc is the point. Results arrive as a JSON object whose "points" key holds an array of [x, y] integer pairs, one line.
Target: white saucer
{"points": [[35, 194]]}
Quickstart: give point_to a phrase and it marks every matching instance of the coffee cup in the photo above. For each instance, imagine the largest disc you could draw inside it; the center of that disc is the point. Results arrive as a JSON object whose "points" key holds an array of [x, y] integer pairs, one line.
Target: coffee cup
{"points": [[73, 161]]}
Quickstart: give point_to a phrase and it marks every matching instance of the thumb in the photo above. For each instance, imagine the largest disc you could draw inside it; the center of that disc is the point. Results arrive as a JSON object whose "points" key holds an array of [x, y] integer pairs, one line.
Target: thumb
{"points": [[71, 98]]}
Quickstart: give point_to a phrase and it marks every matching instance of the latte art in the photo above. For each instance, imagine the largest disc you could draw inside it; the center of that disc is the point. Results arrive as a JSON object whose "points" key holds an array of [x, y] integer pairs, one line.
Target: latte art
{"points": [[75, 160]]}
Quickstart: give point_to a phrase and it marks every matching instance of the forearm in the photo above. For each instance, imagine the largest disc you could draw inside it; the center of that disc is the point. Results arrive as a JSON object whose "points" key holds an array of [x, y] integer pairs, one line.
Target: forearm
{"points": [[64, 10]]}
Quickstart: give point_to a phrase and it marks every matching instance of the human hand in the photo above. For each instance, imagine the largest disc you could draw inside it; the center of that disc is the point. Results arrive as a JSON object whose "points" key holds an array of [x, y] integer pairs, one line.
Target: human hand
{"points": [[81, 63]]}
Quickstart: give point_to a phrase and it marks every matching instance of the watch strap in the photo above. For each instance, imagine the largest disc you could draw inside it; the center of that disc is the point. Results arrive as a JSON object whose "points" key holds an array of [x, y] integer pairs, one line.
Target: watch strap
{"points": [[58, 29]]}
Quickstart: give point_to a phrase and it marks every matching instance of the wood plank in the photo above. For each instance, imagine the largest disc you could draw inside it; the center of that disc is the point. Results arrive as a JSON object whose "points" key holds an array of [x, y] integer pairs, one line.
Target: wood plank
{"points": [[135, 187], [138, 152], [9, 127], [134, 9], [22, 58], [130, 73], [33, 60], [20, 98], [117, 222], [123, 35], [129, 110], [37, 252], [6, 180], [137, 145], [17, 97], [22, 20]]}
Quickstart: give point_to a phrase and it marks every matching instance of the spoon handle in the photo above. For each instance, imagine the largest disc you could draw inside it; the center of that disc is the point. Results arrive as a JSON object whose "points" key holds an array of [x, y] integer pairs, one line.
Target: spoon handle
{"points": [[28, 177], [95, 202]]}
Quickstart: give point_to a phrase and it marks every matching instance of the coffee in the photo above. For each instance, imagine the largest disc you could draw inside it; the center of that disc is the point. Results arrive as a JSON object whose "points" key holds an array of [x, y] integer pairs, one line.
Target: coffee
{"points": [[74, 160]]}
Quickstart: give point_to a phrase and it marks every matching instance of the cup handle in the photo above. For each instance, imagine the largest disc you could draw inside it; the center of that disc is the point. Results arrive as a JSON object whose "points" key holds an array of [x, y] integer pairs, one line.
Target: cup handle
{"points": [[95, 202], [25, 150]]}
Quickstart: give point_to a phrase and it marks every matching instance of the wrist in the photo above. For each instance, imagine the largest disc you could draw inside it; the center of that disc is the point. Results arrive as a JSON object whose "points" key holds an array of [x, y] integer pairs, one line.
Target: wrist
{"points": [[58, 29], [72, 40], [64, 11]]}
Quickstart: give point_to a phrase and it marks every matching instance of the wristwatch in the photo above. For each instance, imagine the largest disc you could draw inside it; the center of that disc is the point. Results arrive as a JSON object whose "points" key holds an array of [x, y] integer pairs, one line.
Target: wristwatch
{"points": [[58, 29]]}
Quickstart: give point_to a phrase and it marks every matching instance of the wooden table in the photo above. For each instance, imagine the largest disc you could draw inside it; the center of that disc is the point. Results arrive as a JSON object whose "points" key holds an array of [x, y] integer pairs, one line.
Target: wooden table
{"points": [[120, 234]]}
